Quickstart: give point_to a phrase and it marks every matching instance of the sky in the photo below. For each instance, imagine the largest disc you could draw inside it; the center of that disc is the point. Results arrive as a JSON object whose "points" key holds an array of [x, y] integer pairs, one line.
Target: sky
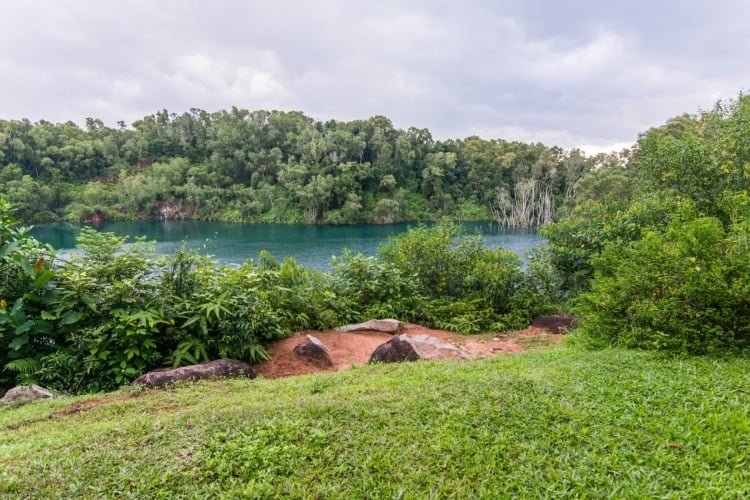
{"points": [[588, 74]]}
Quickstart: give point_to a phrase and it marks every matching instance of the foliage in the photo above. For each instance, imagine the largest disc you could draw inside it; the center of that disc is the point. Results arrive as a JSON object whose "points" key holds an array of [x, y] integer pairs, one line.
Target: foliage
{"points": [[441, 277], [235, 312], [368, 288], [574, 241], [106, 297], [559, 422], [661, 255], [275, 166], [26, 323], [684, 289], [112, 310]]}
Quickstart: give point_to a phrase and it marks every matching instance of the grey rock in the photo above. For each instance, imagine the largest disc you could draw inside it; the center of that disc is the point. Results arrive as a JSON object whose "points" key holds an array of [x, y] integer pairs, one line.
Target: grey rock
{"points": [[220, 368], [415, 347], [556, 323], [314, 350], [23, 394], [378, 325]]}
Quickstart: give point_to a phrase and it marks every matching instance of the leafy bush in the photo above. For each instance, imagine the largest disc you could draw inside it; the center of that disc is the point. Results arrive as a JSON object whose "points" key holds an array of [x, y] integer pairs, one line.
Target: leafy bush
{"points": [[26, 326], [576, 240], [367, 287], [441, 258], [683, 289], [114, 328], [443, 278], [235, 311]]}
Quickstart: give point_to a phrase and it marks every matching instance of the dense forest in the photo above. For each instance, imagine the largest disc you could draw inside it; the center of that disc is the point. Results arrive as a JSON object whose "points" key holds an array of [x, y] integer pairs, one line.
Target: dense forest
{"points": [[281, 167], [652, 254]]}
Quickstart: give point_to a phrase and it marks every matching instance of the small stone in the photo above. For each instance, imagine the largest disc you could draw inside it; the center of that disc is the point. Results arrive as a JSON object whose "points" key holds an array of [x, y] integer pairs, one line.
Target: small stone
{"points": [[220, 368], [378, 325], [23, 394], [314, 350], [415, 347]]}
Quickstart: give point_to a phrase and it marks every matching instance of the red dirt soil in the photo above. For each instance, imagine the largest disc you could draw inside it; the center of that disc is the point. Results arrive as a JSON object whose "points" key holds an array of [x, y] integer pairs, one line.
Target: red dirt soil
{"points": [[355, 348]]}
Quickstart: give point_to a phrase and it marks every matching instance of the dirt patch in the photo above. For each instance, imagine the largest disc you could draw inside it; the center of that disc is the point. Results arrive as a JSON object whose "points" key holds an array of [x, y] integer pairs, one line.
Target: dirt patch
{"points": [[346, 349], [355, 348]]}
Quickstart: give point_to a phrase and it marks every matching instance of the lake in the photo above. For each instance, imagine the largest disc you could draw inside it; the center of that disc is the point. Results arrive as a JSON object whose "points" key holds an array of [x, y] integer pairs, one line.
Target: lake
{"points": [[311, 245]]}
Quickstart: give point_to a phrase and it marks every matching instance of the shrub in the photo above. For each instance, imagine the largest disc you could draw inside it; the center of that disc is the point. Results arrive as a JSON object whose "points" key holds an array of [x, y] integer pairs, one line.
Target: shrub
{"points": [[466, 286], [367, 287], [576, 240], [112, 328], [234, 311], [682, 289], [26, 323]]}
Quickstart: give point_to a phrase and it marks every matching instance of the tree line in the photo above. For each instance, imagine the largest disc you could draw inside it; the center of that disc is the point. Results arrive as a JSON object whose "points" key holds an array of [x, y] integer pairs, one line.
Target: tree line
{"points": [[281, 167]]}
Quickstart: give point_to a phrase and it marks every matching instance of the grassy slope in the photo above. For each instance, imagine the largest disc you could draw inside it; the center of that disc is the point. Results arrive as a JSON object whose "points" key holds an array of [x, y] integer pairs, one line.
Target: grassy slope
{"points": [[554, 422]]}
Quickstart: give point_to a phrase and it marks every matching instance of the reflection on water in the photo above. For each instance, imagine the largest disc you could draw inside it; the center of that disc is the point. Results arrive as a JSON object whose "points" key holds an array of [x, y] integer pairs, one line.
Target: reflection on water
{"points": [[311, 245]]}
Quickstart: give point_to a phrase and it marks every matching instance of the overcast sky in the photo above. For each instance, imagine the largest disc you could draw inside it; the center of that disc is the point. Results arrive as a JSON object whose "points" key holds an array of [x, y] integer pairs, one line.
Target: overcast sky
{"points": [[571, 73]]}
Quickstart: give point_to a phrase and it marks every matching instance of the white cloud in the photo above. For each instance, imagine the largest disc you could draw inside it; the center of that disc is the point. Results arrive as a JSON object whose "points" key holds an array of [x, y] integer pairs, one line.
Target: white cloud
{"points": [[202, 77], [533, 71], [561, 137], [615, 147], [585, 61]]}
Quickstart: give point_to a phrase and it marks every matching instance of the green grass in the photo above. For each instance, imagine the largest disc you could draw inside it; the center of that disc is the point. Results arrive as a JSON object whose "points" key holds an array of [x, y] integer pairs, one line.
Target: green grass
{"points": [[556, 422]]}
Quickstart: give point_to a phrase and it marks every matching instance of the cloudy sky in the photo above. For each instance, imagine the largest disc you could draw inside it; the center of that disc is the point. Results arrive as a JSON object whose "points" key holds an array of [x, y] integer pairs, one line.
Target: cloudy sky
{"points": [[572, 73]]}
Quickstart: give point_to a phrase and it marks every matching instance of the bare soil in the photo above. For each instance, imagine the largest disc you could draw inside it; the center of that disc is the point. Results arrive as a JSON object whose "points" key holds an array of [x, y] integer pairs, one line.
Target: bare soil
{"points": [[355, 348]]}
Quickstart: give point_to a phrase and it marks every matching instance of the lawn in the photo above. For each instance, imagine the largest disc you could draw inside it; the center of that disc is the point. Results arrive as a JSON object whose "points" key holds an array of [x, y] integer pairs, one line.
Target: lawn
{"points": [[555, 422]]}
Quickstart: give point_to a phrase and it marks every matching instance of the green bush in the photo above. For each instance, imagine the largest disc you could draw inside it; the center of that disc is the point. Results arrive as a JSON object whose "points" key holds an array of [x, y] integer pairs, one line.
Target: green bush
{"points": [[466, 286], [235, 311], [443, 278], [106, 295], [27, 326], [367, 288], [576, 240], [683, 289]]}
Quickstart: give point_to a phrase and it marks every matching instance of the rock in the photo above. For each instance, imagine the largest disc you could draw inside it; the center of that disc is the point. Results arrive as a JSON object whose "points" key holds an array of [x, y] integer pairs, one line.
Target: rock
{"points": [[23, 394], [379, 325], [314, 350], [415, 347], [556, 323], [220, 368]]}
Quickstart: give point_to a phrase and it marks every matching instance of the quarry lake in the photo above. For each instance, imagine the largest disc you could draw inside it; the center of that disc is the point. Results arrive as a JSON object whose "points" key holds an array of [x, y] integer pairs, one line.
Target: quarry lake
{"points": [[311, 245]]}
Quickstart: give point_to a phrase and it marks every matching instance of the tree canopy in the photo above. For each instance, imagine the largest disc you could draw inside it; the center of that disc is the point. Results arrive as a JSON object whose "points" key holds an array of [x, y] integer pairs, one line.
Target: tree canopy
{"points": [[277, 166]]}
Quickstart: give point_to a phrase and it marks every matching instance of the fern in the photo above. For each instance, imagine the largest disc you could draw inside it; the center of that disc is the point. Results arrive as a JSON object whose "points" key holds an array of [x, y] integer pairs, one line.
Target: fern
{"points": [[24, 366]]}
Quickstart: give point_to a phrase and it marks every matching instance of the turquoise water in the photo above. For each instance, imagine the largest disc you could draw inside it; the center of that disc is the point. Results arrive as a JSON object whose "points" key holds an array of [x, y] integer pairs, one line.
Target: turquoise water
{"points": [[311, 245]]}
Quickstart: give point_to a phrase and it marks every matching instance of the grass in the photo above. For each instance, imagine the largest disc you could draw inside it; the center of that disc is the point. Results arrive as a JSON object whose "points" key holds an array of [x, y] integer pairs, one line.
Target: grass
{"points": [[555, 422]]}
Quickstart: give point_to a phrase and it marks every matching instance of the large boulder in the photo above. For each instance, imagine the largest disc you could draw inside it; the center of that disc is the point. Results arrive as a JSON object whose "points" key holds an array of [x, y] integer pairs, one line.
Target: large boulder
{"points": [[23, 394], [220, 368], [378, 325], [415, 347], [314, 350], [556, 323]]}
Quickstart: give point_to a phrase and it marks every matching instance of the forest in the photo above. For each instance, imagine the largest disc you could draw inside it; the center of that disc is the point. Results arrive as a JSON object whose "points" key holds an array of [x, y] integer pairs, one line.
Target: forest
{"points": [[651, 254], [280, 167]]}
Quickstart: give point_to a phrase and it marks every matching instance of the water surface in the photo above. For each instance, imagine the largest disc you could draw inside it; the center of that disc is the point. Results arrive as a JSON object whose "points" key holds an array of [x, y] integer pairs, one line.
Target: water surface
{"points": [[311, 245]]}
